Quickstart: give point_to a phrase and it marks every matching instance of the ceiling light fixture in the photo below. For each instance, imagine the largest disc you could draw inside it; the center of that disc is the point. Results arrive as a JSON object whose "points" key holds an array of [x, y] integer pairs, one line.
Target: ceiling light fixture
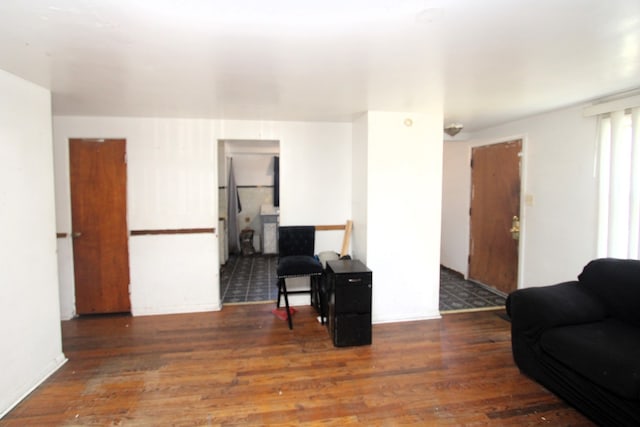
{"points": [[453, 129]]}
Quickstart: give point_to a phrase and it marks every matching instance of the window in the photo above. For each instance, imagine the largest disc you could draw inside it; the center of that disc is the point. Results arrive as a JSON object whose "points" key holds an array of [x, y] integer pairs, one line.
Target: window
{"points": [[619, 192]]}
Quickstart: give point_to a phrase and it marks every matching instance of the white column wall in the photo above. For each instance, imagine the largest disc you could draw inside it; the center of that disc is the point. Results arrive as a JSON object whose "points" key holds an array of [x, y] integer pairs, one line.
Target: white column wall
{"points": [[360, 188], [404, 189], [29, 307], [559, 195]]}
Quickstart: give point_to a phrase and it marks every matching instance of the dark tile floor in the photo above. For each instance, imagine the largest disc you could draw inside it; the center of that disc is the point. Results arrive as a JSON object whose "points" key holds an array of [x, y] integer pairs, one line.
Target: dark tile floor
{"points": [[249, 279], [459, 294], [252, 279]]}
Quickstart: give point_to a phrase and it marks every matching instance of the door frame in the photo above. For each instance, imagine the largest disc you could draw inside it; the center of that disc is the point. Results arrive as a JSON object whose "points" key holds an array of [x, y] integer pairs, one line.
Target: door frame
{"points": [[126, 219], [227, 149], [526, 200]]}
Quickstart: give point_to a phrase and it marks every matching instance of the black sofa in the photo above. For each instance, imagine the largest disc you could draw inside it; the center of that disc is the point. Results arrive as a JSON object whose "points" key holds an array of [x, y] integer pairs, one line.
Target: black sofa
{"points": [[581, 339]]}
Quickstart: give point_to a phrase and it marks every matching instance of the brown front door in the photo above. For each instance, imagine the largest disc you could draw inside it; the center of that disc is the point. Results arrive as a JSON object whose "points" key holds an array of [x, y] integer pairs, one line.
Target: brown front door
{"points": [[98, 178], [495, 201]]}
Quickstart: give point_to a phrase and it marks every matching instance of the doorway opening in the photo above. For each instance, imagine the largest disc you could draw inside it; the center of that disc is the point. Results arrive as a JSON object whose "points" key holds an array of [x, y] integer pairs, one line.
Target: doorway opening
{"points": [[248, 200], [481, 215]]}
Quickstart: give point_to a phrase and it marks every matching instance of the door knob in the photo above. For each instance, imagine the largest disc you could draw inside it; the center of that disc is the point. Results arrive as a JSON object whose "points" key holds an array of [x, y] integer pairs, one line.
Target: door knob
{"points": [[515, 227], [76, 234]]}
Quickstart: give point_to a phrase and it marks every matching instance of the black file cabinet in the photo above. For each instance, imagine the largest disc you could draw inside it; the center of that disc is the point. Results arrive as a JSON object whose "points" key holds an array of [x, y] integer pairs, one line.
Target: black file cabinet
{"points": [[349, 285]]}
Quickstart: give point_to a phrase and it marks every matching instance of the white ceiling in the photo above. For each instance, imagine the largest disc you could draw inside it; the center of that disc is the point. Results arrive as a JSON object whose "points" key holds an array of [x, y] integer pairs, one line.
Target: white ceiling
{"points": [[486, 62]]}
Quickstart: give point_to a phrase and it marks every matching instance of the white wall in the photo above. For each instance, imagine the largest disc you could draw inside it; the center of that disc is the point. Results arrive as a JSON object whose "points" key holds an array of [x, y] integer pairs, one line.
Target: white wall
{"points": [[359, 184], [559, 225], [315, 171], [253, 169], [403, 193], [65, 278], [29, 310], [173, 183], [174, 274], [456, 196]]}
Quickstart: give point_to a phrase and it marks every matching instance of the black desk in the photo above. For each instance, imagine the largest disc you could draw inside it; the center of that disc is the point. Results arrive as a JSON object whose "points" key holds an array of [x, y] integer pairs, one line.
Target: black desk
{"points": [[349, 284]]}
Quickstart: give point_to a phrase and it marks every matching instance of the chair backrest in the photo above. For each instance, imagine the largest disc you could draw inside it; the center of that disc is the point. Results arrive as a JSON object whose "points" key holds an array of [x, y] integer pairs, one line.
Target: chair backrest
{"points": [[296, 240]]}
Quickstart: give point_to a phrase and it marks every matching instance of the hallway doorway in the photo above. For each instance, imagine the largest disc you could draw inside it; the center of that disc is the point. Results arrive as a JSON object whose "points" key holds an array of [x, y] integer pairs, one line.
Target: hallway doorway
{"points": [[248, 200]]}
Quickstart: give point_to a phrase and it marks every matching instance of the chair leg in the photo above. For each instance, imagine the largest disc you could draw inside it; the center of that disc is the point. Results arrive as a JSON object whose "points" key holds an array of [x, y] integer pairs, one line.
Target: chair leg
{"points": [[279, 292], [321, 298], [316, 295], [286, 303]]}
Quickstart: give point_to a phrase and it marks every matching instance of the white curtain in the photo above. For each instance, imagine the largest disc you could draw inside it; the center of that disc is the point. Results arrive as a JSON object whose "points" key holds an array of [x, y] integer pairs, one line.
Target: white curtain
{"points": [[619, 198]]}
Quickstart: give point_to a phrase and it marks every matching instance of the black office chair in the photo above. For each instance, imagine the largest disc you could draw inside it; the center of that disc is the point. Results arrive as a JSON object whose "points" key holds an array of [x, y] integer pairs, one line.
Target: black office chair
{"points": [[296, 245]]}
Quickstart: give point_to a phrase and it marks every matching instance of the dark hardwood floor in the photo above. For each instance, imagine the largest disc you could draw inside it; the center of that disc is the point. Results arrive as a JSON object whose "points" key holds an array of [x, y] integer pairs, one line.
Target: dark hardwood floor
{"points": [[243, 366]]}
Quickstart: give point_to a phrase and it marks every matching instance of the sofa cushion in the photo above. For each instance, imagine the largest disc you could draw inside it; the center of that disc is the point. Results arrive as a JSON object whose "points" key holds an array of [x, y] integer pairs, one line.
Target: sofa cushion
{"points": [[606, 352], [616, 282], [298, 265]]}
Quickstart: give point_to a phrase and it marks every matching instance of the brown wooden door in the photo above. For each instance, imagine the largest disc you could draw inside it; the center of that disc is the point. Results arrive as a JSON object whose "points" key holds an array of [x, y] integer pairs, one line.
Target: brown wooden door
{"points": [[98, 177], [495, 200]]}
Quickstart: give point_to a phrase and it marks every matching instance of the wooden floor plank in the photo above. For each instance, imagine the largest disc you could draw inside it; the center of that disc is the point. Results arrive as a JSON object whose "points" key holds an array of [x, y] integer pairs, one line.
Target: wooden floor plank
{"points": [[243, 366]]}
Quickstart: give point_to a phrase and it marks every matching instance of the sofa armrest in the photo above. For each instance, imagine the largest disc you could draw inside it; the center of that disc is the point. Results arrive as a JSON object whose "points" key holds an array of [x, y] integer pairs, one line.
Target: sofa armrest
{"points": [[615, 282], [534, 310]]}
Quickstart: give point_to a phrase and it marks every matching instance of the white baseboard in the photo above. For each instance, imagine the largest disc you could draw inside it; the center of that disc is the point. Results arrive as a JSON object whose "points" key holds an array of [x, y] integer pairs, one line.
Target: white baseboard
{"points": [[430, 316], [177, 309], [51, 367]]}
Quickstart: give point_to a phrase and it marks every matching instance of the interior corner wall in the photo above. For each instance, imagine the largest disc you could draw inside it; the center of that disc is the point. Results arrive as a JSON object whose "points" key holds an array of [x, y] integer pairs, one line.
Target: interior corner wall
{"points": [[559, 195], [29, 309], [404, 190]]}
